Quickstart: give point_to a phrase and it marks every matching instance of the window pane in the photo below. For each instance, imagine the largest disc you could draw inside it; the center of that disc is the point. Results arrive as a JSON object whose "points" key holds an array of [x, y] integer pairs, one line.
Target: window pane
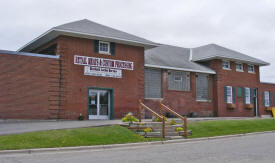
{"points": [[202, 87], [152, 83], [229, 94], [179, 80], [247, 95]]}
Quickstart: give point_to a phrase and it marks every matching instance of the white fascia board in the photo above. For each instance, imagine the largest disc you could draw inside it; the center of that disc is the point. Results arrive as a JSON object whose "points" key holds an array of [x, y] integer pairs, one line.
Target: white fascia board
{"points": [[233, 59], [35, 39], [180, 69], [29, 54], [101, 36]]}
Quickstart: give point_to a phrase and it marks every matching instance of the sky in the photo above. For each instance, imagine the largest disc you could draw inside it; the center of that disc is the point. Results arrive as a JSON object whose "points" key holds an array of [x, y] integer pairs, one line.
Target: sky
{"points": [[247, 26]]}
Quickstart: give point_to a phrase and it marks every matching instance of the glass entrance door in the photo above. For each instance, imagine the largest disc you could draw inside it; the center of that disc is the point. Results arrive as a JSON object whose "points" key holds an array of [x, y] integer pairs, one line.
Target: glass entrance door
{"points": [[98, 104]]}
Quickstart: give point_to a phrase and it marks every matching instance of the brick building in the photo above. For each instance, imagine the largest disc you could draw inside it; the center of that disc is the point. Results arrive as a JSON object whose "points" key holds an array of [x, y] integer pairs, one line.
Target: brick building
{"points": [[86, 68]]}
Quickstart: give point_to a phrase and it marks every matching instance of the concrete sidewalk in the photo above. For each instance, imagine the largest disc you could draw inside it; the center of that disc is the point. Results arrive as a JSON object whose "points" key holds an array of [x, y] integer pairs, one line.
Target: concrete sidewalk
{"points": [[20, 126]]}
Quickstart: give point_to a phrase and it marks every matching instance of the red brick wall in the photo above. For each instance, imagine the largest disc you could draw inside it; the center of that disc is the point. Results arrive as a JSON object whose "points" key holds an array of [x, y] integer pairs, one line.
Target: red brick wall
{"points": [[236, 79], [127, 90], [28, 87], [266, 87], [183, 102]]}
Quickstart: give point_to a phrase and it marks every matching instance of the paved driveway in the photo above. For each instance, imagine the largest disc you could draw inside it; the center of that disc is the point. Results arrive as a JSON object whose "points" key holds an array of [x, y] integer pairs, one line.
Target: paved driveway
{"points": [[246, 149], [13, 126]]}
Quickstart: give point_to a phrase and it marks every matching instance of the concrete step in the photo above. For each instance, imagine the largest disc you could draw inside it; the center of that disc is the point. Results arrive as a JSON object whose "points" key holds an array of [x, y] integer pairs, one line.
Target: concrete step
{"points": [[173, 137], [150, 134]]}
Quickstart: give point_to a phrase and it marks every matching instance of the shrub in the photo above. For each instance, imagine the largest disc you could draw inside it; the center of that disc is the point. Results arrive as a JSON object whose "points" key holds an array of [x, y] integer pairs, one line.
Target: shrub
{"points": [[179, 129], [172, 122], [147, 130], [142, 123], [80, 117], [157, 119], [129, 118]]}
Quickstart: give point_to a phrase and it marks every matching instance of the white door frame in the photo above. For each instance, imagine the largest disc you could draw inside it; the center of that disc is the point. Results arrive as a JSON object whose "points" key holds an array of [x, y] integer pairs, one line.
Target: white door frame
{"points": [[98, 116]]}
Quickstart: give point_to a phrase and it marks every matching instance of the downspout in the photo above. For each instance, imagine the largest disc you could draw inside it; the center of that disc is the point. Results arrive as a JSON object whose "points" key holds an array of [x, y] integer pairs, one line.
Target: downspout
{"points": [[59, 88]]}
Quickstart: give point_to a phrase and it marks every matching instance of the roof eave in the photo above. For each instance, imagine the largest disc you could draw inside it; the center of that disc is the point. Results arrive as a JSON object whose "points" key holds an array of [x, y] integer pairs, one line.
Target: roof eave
{"points": [[179, 69], [57, 32], [233, 59]]}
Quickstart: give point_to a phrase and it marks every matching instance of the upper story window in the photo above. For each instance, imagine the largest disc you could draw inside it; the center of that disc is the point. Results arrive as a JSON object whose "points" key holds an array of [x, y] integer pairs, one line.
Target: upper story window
{"points": [[226, 65], [251, 68], [104, 47], [239, 67], [179, 80]]}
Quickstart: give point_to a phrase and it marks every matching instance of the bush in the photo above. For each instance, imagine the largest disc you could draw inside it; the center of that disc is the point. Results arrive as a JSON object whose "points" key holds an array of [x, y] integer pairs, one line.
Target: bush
{"points": [[172, 122], [160, 120], [80, 117], [147, 130], [179, 129], [142, 123], [129, 118]]}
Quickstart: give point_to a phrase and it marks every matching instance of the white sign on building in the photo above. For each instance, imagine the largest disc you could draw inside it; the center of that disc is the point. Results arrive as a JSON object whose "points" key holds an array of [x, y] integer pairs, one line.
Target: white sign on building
{"points": [[102, 71]]}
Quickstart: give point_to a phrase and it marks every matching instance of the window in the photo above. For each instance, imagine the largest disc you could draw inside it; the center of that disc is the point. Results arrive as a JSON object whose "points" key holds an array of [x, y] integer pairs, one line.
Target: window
{"points": [[239, 67], [104, 47], [202, 87], [266, 99], [179, 80], [228, 91], [250, 68], [226, 65], [152, 83], [247, 95]]}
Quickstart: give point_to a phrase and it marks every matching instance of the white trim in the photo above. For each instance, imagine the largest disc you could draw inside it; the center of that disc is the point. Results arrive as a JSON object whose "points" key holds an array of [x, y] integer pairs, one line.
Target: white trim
{"points": [[180, 69], [103, 52], [87, 34], [248, 61], [191, 54], [29, 54], [203, 100], [229, 66], [239, 70], [252, 72]]}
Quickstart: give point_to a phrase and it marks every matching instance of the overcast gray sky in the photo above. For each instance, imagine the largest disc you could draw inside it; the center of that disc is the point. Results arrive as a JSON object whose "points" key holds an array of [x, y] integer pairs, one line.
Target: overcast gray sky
{"points": [[247, 26]]}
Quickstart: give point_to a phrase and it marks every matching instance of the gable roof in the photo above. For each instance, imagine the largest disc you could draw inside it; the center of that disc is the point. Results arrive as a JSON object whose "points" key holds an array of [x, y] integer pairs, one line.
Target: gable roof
{"points": [[213, 51], [88, 29], [174, 58]]}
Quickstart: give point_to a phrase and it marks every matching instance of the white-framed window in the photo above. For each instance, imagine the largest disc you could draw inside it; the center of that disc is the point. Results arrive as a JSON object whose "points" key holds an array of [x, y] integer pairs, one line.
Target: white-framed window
{"points": [[251, 68], [229, 94], [226, 65], [179, 80], [266, 99], [247, 95], [104, 47], [239, 67]]}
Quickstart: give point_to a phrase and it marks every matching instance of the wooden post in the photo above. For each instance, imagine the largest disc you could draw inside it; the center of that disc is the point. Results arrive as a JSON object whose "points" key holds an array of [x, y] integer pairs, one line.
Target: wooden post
{"points": [[163, 127], [160, 108], [139, 110], [185, 127]]}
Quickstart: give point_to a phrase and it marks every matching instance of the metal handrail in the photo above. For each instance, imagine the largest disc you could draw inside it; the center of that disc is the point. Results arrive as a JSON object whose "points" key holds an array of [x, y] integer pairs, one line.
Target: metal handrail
{"points": [[178, 115], [141, 105]]}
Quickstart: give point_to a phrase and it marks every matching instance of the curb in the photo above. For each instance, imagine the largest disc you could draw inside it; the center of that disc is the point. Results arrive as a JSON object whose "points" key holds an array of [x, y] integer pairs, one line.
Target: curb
{"points": [[112, 146]]}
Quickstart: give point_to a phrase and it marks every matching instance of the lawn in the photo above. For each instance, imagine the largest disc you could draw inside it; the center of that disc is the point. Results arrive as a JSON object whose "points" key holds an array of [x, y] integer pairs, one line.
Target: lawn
{"points": [[70, 137], [228, 127]]}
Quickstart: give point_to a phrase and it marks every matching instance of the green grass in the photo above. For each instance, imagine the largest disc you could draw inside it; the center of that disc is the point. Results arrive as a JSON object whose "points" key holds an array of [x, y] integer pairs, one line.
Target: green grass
{"points": [[228, 127], [71, 137]]}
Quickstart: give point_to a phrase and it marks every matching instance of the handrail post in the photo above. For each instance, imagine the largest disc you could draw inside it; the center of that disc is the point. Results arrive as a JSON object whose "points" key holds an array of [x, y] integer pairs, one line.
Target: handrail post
{"points": [[160, 108], [185, 127], [139, 110], [163, 127]]}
